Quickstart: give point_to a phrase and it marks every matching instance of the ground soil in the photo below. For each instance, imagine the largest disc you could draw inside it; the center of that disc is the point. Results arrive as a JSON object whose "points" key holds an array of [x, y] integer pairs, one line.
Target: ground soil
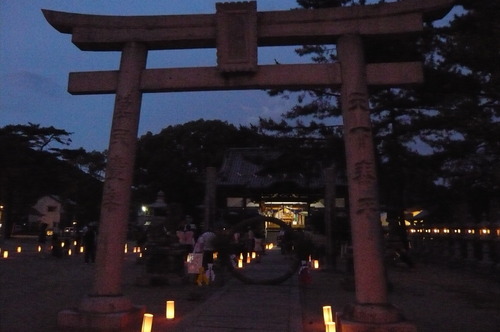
{"points": [[35, 286]]}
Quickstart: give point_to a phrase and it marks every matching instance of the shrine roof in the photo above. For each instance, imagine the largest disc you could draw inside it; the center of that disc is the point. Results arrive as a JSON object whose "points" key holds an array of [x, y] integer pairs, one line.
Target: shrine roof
{"points": [[260, 168]]}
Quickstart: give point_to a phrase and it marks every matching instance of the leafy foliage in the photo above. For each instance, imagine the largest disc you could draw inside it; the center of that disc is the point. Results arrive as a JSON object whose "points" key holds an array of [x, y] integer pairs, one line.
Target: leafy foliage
{"points": [[29, 171], [442, 133]]}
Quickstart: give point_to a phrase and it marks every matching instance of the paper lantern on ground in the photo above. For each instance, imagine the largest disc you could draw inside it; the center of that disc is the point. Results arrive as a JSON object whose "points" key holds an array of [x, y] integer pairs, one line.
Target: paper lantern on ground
{"points": [[170, 310], [147, 323], [327, 314], [330, 327]]}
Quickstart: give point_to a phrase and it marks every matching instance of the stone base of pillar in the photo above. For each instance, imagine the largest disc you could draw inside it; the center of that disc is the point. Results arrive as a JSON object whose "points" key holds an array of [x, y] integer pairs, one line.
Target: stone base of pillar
{"points": [[373, 318], [102, 314]]}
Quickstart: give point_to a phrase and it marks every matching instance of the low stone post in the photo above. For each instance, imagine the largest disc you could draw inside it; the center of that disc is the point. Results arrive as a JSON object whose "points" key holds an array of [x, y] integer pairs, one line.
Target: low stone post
{"points": [[210, 192], [329, 215], [372, 309]]}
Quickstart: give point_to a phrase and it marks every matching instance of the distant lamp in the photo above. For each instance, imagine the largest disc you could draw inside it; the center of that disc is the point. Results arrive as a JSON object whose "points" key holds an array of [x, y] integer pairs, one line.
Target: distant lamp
{"points": [[170, 310], [327, 314], [147, 323]]}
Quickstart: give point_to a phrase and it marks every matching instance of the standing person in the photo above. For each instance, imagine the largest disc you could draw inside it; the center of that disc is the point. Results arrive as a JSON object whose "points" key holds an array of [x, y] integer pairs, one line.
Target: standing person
{"points": [[259, 245], [189, 237], [89, 244], [206, 244]]}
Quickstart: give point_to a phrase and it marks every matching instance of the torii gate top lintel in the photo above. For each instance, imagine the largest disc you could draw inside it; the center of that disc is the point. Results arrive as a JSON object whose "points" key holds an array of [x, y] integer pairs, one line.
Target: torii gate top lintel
{"points": [[236, 31], [277, 28]]}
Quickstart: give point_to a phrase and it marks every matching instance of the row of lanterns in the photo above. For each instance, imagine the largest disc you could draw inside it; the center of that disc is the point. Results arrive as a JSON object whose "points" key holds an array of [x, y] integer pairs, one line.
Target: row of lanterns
{"points": [[447, 230], [39, 248]]}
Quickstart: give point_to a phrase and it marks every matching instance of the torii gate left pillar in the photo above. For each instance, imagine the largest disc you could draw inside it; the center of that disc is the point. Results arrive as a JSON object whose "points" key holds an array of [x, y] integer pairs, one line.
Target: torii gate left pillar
{"points": [[233, 31], [105, 307]]}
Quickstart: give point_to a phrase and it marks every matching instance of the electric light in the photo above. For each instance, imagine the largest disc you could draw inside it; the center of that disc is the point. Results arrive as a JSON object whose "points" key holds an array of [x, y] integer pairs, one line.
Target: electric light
{"points": [[147, 323], [170, 310]]}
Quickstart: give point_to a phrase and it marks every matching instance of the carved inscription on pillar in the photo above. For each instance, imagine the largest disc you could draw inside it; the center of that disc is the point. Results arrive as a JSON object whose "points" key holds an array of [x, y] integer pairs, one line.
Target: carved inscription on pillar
{"points": [[237, 37], [364, 173]]}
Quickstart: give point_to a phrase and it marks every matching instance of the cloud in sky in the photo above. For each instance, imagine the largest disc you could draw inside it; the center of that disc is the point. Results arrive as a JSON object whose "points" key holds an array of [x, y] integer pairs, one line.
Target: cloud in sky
{"points": [[35, 61]]}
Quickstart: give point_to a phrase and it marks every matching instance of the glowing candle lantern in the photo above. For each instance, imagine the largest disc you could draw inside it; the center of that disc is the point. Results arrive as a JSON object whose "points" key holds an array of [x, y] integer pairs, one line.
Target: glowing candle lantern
{"points": [[249, 259], [134, 250], [147, 323], [327, 314], [74, 243], [330, 327], [241, 256], [69, 252], [240, 263], [5, 254], [316, 264], [215, 255], [126, 248], [19, 249], [81, 249], [39, 248], [170, 310], [253, 254]]}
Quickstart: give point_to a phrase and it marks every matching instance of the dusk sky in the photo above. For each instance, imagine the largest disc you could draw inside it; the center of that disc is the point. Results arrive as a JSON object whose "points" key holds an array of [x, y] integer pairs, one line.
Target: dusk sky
{"points": [[35, 61]]}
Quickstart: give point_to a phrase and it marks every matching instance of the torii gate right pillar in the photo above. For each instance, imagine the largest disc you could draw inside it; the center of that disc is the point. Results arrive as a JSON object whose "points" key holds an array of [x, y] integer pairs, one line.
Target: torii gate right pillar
{"points": [[372, 311]]}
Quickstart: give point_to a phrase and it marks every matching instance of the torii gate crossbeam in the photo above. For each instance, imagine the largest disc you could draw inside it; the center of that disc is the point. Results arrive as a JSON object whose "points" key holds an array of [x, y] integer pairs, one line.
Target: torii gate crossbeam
{"points": [[236, 31]]}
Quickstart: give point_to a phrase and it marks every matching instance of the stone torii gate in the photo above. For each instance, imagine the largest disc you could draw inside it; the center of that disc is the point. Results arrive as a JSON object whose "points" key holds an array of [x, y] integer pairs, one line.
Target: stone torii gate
{"points": [[236, 30]]}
